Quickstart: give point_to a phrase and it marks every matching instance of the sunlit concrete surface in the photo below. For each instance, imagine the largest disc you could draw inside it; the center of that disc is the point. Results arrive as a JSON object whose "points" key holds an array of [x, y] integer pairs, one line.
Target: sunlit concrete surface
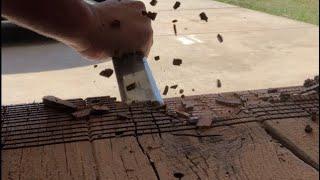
{"points": [[259, 51]]}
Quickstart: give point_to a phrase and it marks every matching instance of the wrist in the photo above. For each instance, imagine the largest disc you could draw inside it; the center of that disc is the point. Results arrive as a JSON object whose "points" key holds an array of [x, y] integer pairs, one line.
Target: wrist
{"points": [[89, 39]]}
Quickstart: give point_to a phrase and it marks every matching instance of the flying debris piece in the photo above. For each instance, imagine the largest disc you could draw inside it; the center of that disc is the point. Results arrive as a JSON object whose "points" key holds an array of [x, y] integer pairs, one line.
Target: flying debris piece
{"points": [[203, 16], [82, 114], [176, 5], [151, 15], [219, 83], [165, 91], [131, 86], [177, 62], [175, 29], [219, 37], [174, 86], [106, 73], [153, 2]]}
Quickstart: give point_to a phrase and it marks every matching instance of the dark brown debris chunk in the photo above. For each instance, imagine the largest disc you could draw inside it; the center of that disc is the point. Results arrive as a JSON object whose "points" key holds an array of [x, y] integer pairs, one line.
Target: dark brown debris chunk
{"points": [[174, 21], [176, 5], [316, 79], [219, 83], [205, 121], [219, 37], [100, 109], [182, 96], [56, 103], [115, 24], [157, 58], [310, 93], [203, 16], [82, 114], [153, 2], [181, 91], [284, 96], [171, 113], [174, 86], [106, 73], [151, 15], [122, 116], [311, 88], [309, 82], [183, 114], [192, 90], [228, 102], [131, 86], [165, 91], [177, 62], [308, 129], [187, 106], [95, 66], [144, 13], [272, 90], [193, 120], [175, 29]]}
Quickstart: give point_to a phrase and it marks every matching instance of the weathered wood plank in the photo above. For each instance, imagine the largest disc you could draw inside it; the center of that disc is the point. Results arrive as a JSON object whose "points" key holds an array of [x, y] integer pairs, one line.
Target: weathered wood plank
{"points": [[10, 165], [291, 132], [60, 161], [245, 151], [121, 158], [54, 162], [30, 164], [81, 162]]}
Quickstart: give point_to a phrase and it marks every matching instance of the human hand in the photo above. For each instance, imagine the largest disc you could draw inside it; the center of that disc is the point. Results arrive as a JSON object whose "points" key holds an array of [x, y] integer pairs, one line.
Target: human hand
{"points": [[116, 28]]}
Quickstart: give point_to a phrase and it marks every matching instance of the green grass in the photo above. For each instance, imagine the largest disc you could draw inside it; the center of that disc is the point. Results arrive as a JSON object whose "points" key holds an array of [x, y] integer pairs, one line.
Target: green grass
{"points": [[302, 10]]}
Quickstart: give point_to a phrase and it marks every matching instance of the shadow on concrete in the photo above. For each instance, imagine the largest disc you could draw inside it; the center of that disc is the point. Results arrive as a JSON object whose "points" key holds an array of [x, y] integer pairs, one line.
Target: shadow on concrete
{"points": [[39, 56], [24, 51]]}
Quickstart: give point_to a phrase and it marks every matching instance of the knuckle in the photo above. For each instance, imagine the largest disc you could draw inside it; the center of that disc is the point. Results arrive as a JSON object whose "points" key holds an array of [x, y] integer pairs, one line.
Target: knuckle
{"points": [[140, 4]]}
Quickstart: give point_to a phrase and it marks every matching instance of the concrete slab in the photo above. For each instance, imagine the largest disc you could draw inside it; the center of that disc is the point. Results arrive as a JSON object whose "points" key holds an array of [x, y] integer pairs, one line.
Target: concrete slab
{"points": [[222, 20], [167, 5], [259, 51]]}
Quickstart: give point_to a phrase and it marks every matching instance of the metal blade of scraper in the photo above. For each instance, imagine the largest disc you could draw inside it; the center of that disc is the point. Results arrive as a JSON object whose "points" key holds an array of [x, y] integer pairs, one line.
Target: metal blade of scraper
{"points": [[135, 79]]}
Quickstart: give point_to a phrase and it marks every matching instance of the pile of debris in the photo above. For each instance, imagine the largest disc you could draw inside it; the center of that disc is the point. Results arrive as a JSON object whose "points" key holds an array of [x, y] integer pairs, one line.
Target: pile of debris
{"points": [[185, 112], [78, 112], [311, 86]]}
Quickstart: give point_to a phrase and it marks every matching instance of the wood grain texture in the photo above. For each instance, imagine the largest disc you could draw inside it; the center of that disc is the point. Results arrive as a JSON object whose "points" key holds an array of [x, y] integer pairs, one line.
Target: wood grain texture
{"points": [[292, 134], [244, 151], [121, 158], [60, 161], [260, 140]]}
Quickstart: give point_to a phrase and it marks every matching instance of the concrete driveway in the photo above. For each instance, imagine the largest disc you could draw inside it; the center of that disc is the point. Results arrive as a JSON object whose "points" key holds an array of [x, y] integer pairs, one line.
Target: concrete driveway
{"points": [[259, 51]]}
